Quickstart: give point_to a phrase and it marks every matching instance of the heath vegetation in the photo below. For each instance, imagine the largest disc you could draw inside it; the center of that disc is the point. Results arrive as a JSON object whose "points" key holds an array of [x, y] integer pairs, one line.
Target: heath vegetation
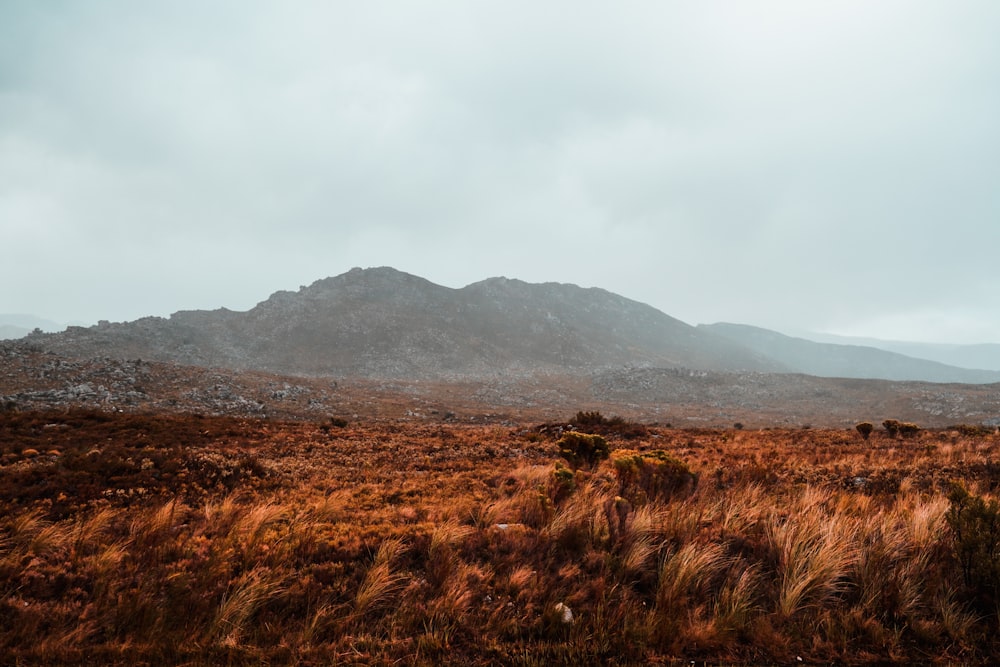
{"points": [[130, 539]]}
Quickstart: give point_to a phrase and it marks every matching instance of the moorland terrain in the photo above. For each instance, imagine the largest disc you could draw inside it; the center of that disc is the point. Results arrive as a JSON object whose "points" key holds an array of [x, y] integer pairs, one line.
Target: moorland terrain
{"points": [[337, 477], [190, 539]]}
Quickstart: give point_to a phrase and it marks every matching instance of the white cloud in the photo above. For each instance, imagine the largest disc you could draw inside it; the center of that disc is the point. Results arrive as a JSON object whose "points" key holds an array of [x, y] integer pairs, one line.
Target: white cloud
{"points": [[781, 163]]}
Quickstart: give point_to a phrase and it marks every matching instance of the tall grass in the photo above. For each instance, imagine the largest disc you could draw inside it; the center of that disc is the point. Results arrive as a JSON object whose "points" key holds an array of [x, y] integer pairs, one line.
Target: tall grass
{"points": [[815, 552], [479, 564], [382, 582], [240, 601]]}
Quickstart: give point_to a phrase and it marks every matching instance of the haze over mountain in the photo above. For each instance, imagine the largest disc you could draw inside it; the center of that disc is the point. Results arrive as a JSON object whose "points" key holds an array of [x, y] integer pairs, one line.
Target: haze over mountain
{"points": [[846, 361], [385, 323], [10, 332], [985, 356], [18, 325]]}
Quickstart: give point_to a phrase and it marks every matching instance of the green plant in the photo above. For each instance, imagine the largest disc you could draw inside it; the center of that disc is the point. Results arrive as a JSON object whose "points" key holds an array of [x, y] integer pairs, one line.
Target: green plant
{"points": [[583, 449], [644, 476], [975, 526], [865, 429], [891, 427], [563, 481]]}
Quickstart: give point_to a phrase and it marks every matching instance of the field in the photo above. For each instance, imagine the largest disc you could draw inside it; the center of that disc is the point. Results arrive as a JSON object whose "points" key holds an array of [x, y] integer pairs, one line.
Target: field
{"points": [[187, 539]]}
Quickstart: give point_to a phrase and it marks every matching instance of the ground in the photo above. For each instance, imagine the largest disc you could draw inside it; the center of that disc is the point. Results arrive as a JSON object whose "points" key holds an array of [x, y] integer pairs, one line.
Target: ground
{"points": [[177, 538]]}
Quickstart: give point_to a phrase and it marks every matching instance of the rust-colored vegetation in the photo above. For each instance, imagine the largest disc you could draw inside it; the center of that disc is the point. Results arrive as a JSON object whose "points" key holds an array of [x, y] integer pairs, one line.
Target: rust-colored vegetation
{"points": [[168, 539]]}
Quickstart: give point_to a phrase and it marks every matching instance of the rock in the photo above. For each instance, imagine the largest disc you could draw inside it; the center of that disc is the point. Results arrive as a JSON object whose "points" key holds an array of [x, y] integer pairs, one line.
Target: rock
{"points": [[565, 613]]}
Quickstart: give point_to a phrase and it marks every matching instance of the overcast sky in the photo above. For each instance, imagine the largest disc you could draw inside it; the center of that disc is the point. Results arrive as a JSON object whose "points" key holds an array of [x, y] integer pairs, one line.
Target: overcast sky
{"points": [[832, 166]]}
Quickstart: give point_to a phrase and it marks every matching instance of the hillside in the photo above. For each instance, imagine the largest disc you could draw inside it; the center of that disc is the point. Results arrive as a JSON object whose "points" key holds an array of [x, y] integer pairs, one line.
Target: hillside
{"points": [[382, 323], [33, 379], [846, 361], [981, 355]]}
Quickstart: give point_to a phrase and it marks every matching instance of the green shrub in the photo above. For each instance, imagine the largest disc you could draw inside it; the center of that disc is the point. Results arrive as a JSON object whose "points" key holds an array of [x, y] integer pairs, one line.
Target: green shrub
{"points": [[563, 481], [583, 449], [891, 427], [975, 527], [646, 476]]}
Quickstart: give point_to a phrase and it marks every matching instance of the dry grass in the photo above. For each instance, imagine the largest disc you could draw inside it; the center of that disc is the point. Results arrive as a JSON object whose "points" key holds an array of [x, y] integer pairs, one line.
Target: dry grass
{"points": [[380, 543]]}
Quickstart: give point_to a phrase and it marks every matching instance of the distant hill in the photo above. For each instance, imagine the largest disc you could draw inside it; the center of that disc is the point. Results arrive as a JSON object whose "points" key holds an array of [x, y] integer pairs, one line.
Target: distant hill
{"points": [[985, 356], [845, 361], [383, 323], [19, 325]]}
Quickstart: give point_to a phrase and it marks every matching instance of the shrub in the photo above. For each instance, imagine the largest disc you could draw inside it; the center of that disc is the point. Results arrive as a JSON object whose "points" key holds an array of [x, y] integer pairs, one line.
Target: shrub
{"points": [[646, 476], [895, 427], [589, 420], [975, 526], [583, 449], [595, 422], [865, 429], [563, 481]]}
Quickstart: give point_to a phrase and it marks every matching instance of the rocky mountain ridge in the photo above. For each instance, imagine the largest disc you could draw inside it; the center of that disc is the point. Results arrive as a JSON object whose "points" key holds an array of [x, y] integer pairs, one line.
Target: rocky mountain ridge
{"points": [[383, 323]]}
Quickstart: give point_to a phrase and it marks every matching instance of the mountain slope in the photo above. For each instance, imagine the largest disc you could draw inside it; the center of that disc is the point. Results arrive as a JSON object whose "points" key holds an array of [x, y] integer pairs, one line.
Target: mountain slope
{"points": [[985, 356], [383, 323], [846, 361]]}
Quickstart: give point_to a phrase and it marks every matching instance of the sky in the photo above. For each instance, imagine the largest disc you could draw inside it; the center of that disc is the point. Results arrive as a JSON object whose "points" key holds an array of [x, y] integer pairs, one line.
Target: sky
{"points": [[792, 164]]}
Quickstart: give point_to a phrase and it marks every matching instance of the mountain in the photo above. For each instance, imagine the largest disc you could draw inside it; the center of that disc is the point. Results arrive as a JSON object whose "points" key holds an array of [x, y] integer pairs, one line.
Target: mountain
{"points": [[19, 325], [845, 361], [984, 356], [382, 323]]}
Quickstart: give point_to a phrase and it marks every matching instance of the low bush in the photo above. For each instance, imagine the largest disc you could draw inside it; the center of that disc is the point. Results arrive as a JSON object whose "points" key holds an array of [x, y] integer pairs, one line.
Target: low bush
{"points": [[895, 427], [563, 481], [655, 475], [975, 526], [583, 449], [595, 422]]}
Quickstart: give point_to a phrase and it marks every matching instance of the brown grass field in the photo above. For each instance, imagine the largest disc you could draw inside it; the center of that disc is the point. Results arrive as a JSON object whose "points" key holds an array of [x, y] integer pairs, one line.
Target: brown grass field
{"points": [[181, 539]]}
